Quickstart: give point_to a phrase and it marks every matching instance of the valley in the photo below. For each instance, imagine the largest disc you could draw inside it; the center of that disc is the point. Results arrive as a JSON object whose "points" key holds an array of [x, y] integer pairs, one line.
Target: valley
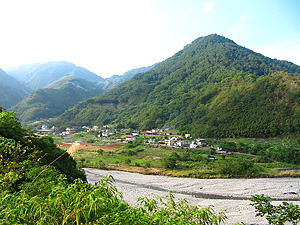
{"points": [[158, 153], [214, 112]]}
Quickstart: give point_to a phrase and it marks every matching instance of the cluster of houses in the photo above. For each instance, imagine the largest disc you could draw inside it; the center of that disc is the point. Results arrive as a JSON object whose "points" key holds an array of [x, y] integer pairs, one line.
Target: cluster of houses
{"points": [[170, 139], [179, 141]]}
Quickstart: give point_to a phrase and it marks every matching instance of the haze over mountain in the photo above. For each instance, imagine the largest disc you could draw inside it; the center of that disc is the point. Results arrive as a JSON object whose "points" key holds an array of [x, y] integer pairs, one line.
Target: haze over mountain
{"points": [[50, 75], [213, 87], [40, 75], [114, 81], [55, 99], [11, 91]]}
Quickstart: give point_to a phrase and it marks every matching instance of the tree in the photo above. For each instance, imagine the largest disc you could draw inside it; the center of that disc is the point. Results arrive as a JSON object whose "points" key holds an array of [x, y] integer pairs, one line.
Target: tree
{"points": [[170, 161], [20, 153], [10, 127]]}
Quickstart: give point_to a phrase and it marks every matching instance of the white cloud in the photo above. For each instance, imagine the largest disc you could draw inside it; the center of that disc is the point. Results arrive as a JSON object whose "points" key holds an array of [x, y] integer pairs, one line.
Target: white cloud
{"points": [[208, 6]]}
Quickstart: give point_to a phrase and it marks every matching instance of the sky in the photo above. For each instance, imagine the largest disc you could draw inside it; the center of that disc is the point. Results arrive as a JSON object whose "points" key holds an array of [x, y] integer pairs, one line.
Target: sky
{"points": [[110, 37]]}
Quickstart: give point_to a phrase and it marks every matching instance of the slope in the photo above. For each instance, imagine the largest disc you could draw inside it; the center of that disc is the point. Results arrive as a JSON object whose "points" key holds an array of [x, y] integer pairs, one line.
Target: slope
{"points": [[197, 89], [116, 80], [54, 100], [40, 75], [11, 91]]}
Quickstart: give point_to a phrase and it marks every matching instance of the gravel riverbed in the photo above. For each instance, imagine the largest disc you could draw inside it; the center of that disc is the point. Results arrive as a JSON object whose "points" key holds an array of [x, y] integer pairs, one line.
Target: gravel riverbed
{"points": [[232, 195]]}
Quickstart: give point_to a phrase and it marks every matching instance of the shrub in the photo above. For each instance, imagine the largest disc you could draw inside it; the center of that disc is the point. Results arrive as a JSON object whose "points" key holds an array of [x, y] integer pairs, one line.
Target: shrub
{"points": [[100, 151], [287, 212], [40, 180], [237, 168], [169, 162], [83, 203]]}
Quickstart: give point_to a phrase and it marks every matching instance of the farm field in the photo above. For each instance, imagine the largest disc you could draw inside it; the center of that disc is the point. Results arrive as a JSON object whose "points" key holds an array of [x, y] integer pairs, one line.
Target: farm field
{"points": [[240, 158]]}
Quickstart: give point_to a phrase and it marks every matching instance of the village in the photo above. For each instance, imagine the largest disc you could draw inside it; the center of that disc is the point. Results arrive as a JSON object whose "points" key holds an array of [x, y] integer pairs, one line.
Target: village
{"points": [[154, 136]]}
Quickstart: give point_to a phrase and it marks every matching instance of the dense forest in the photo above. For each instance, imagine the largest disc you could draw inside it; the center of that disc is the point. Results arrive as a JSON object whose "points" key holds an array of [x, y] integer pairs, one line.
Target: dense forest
{"points": [[41, 91], [211, 88]]}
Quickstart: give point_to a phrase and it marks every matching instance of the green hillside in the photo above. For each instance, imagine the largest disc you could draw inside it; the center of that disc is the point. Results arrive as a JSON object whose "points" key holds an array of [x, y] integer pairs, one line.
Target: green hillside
{"points": [[11, 91], [40, 75], [54, 100], [213, 87], [116, 80]]}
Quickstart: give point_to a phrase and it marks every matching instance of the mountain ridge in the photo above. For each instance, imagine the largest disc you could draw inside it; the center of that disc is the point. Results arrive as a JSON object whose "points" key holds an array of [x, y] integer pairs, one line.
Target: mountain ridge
{"points": [[11, 90], [40, 75], [184, 89], [55, 99]]}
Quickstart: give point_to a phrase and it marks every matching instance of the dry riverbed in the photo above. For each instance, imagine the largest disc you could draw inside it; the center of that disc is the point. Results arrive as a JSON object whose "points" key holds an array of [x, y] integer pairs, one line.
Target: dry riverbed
{"points": [[232, 195]]}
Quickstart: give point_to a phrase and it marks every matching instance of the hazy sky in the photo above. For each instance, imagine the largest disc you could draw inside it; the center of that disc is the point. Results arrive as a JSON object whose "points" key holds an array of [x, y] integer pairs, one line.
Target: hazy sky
{"points": [[113, 36]]}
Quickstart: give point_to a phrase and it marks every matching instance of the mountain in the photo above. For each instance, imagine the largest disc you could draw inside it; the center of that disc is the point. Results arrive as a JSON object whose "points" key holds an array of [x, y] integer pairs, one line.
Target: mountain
{"points": [[40, 75], [211, 88], [11, 91], [115, 80], [55, 99]]}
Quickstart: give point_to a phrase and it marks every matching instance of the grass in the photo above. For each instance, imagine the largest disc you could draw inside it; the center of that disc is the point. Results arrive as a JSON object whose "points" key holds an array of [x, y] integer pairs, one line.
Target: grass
{"points": [[83, 203], [141, 158]]}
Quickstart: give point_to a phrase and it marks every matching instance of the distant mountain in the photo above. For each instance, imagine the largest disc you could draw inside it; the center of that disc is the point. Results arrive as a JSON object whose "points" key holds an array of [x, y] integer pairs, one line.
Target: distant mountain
{"points": [[55, 99], [211, 88], [116, 80], [11, 91], [40, 75]]}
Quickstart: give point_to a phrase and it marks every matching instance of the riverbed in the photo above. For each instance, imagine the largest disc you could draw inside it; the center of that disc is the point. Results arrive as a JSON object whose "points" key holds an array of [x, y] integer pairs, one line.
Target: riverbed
{"points": [[232, 195]]}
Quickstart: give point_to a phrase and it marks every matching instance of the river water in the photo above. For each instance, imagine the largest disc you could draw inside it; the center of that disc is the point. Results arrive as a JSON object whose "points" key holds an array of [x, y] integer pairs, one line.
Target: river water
{"points": [[232, 195]]}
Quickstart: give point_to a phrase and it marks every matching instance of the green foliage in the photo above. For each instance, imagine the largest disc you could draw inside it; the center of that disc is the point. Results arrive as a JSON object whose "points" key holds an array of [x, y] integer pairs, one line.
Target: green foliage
{"points": [[90, 141], [169, 162], [11, 91], [40, 180], [281, 214], [10, 126], [171, 212], [211, 88], [55, 99], [100, 151], [49, 154], [83, 203], [15, 161], [21, 157], [236, 168]]}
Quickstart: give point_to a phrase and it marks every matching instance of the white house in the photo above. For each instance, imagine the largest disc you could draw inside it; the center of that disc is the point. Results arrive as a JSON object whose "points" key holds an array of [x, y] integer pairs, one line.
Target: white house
{"points": [[130, 138]]}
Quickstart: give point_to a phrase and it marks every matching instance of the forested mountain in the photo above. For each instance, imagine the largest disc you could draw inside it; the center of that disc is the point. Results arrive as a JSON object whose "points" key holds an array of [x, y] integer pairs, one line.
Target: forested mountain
{"points": [[55, 99], [11, 91], [40, 75], [115, 80], [213, 87]]}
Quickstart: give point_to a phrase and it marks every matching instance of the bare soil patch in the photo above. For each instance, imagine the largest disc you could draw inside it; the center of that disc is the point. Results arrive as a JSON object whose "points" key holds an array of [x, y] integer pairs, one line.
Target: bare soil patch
{"points": [[83, 146]]}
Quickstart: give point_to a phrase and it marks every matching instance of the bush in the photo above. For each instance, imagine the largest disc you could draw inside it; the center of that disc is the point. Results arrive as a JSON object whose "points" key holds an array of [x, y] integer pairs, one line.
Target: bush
{"points": [[101, 165], [287, 212], [237, 168], [100, 151], [90, 141], [40, 180], [169, 162], [83, 203]]}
